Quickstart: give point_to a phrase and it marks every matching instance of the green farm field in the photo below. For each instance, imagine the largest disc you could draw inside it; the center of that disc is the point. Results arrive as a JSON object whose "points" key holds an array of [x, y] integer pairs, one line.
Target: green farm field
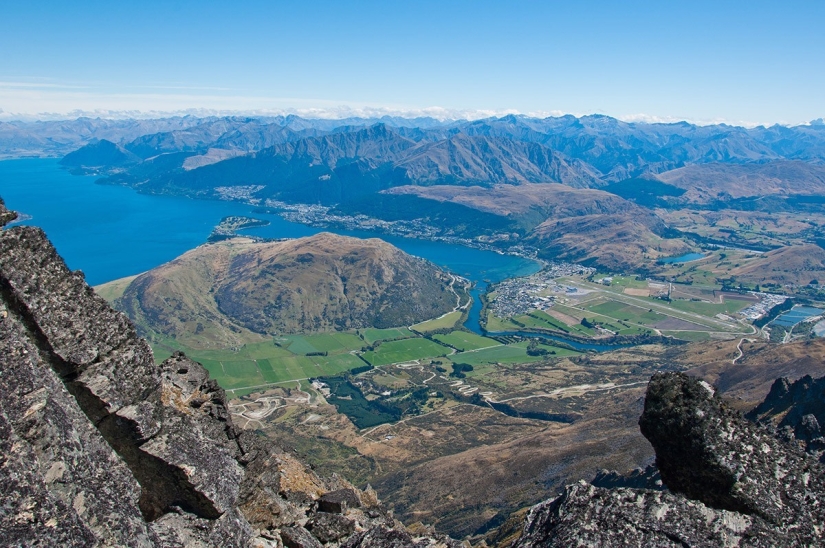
{"points": [[324, 342], [445, 322], [233, 374], [256, 365], [544, 321], [730, 306], [494, 323], [372, 335], [406, 350], [627, 312], [464, 340]]}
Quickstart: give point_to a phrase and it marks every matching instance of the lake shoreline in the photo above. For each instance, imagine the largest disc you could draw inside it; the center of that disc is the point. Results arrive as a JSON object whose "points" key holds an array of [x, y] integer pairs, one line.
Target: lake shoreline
{"points": [[112, 231]]}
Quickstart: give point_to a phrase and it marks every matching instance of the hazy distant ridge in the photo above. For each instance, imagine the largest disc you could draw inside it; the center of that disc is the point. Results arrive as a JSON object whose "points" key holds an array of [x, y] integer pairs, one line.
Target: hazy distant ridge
{"points": [[308, 160]]}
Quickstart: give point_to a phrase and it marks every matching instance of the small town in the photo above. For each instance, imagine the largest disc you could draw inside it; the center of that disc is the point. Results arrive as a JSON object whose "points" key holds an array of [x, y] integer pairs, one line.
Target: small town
{"points": [[319, 216], [766, 302], [516, 296]]}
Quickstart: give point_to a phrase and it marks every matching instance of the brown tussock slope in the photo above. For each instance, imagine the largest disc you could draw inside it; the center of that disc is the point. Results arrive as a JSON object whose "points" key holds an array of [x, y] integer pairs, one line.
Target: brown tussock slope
{"points": [[569, 223], [548, 199], [532, 464], [617, 242], [704, 182], [797, 265]]}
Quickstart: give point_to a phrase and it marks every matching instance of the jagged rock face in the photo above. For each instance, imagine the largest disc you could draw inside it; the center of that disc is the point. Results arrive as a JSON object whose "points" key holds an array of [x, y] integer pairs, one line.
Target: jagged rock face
{"points": [[731, 482], [711, 453], [101, 447], [798, 410], [62, 484], [586, 515], [6, 216], [640, 478]]}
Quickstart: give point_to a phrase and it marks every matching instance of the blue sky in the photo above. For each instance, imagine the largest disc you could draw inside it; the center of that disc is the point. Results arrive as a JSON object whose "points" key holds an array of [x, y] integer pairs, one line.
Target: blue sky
{"points": [[741, 62]]}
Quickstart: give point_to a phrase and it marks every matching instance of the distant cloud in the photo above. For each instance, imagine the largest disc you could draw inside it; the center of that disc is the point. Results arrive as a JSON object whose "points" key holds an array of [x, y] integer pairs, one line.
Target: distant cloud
{"points": [[654, 119], [649, 119], [331, 113], [43, 99]]}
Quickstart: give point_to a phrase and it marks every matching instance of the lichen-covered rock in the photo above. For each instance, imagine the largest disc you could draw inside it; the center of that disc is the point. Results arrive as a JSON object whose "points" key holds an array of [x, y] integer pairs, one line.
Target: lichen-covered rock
{"points": [[31, 515], [339, 501], [59, 471], [298, 537], [386, 537], [380, 537], [640, 478], [328, 527], [710, 452], [6, 216], [797, 410], [731, 483], [91, 343], [179, 529], [586, 515]]}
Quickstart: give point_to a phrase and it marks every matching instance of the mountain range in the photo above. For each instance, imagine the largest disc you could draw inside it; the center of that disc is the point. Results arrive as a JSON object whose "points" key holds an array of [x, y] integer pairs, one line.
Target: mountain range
{"points": [[590, 151], [402, 170]]}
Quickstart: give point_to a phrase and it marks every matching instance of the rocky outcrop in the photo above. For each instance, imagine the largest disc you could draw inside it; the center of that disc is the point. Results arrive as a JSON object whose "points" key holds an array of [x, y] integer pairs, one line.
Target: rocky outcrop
{"points": [[101, 447], [797, 410], [640, 478], [731, 483], [585, 515]]}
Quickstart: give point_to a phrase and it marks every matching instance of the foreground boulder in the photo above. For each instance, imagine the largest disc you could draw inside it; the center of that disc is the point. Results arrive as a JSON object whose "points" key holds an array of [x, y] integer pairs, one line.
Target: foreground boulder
{"points": [[586, 515], [731, 482], [101, 447]]}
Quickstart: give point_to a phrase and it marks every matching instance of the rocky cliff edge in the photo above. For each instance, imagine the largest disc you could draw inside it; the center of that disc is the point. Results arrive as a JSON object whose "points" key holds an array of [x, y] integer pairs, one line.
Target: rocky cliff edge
{"points": [[731, 482]]}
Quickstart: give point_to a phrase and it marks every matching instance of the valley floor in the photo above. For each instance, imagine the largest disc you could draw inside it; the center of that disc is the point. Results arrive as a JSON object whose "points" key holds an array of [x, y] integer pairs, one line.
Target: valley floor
{"points": [[536, 399]]}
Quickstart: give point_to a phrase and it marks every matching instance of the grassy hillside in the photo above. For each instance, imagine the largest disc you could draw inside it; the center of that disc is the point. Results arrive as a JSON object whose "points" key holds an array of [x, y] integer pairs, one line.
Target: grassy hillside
{"points": [[798, 265], [226, 294], [616, 242]]}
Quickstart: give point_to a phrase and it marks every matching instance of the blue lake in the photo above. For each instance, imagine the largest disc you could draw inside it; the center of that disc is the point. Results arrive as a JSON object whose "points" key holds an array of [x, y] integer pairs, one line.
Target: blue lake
{"points": [[110, 232], [686, 258]]}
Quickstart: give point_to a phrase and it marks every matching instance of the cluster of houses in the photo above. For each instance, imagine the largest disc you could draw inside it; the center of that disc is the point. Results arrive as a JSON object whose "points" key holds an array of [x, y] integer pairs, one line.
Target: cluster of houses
{"points": [[517, 296], [759, 309]]}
